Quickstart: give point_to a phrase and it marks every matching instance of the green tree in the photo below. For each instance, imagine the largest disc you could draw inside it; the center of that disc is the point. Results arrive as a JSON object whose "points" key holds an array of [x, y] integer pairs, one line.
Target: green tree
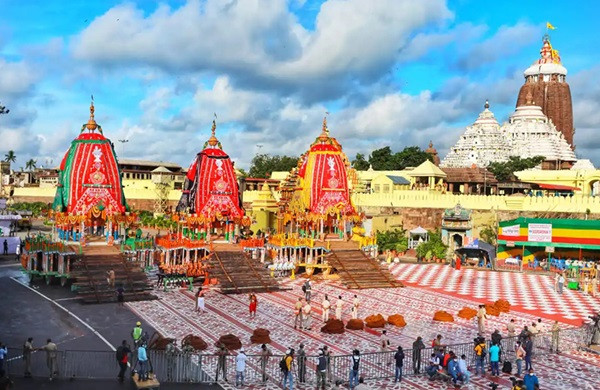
{"points": [[504, 171], [263, 164], [411, 156], [488, 234], [433, 247], [382, 159], [10, 156], [31, 164], [360, 163], [392, 240]]}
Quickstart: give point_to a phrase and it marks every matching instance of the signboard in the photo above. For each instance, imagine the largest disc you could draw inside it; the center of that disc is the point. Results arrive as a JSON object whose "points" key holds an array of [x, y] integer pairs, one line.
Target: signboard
{"points": [[550, 249], [539, 232], [513, 231], [510, 244]]}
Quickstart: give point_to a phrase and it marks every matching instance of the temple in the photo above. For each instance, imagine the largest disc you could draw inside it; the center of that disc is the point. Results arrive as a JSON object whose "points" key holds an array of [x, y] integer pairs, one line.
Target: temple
{"points": [[89, 182], [545, 81], [319, 200], [480, 144], [211, 196]]}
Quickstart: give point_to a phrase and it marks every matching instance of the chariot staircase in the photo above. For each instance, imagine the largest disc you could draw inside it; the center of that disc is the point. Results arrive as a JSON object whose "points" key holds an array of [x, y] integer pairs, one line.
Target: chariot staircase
{"points": [[357, 270], [238, 273], [90, 273]]}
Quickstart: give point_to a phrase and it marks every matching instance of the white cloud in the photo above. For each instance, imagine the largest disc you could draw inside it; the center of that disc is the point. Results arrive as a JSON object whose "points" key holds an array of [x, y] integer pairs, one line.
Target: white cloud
{"points": [[16, 78]]}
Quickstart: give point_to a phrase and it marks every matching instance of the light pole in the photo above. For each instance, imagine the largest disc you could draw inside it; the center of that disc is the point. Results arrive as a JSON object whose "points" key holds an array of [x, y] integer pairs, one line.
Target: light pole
{"points": [[123, 142]]}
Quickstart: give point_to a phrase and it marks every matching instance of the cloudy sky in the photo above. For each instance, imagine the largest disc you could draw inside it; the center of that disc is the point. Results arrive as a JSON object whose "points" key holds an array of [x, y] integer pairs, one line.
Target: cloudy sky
{"points": [[389, 72]]}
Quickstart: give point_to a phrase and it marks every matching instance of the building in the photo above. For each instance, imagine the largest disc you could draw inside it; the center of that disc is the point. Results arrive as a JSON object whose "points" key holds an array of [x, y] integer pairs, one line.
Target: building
{"points": [[545, 82], [142, 170], [482, 143]]}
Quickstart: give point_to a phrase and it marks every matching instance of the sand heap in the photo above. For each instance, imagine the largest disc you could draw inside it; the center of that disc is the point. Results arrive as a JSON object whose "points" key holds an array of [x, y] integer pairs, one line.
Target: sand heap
{"points": [[443, 316], [355, 324], [375, 321], [260, 336], [492, 310], [195, 341], [502, 305], [333, 326], [397, 320], [467, 313], [230, 341]]}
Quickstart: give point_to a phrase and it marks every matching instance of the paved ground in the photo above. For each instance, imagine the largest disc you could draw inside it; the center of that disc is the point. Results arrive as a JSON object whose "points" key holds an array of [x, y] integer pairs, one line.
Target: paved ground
{"points": [[531, 293], [35, 384]]}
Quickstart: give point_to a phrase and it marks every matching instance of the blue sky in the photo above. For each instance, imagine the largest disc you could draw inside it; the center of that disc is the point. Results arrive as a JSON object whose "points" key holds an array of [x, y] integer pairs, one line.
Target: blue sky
{"points": [[390, 72]]}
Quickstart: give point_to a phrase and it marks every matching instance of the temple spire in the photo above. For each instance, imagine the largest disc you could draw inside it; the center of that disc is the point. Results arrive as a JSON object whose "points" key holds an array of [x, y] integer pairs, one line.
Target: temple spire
{"points": [[213, 141], [325, 130]]}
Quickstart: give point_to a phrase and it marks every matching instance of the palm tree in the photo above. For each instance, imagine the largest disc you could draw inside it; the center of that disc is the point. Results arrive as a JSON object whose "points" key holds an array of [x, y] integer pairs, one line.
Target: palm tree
{"points": [[10, 156], [31, 164]]}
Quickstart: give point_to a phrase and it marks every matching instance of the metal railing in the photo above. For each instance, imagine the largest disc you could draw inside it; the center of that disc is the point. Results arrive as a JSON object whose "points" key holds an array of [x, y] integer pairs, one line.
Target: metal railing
{"points": [[184, 367]]}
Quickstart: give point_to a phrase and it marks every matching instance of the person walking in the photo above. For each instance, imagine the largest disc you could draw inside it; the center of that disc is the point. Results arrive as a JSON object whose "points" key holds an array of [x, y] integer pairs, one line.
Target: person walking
{"points": [[240, 367], [136, 334], [3, 354], [221, 362], [307, 288], [298, 314], [122, 356], [534, 331], [306, 314], [5, 247], [555, 336], [121, 295], [481, 317], [355, 305], [253, 305], [27, 350], [110, 278], [265, 354], [354, 368], [519, 356], [399, 358], [556, 276], [288, 375], [321, 367], [528, 353], [480, 356], [417, 347], [301, 359], [339, 305], [384, 341], [325, 305], [561, 283], [143, 361], [463, 369], [495, 359], [51, 358]]}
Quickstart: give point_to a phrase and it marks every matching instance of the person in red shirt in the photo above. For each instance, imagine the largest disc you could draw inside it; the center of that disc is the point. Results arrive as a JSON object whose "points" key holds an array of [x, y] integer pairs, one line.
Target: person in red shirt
{"points": [[252, 306], [122, 356]]}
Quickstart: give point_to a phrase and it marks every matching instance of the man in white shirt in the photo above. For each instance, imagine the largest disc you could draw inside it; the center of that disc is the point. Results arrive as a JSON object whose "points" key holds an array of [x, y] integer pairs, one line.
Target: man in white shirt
{"points": [[306, 310], [355, 305], [339, 305], [384, 342], [240, 367], [325, 305], [462, 368]]}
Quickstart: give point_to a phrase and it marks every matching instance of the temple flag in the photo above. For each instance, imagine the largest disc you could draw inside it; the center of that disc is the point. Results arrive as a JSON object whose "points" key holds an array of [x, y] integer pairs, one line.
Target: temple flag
{"points": [[549, 26]]}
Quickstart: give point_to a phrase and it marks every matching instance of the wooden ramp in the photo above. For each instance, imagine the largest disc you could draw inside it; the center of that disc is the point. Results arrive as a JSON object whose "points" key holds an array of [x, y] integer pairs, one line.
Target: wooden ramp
{"points": [[238, 273], [357, 270], [90, 276]]}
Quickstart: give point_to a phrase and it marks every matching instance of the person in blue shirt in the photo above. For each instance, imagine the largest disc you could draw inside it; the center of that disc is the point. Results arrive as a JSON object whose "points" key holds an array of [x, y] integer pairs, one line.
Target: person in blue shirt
{"points": [[495, 359], [143, 360], [531, 381], [453, 369]]}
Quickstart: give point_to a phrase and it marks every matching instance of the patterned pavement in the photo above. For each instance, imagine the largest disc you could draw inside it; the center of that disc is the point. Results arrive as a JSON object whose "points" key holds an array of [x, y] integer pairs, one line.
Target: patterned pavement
{"points": [[533, 293], [438, 289]]}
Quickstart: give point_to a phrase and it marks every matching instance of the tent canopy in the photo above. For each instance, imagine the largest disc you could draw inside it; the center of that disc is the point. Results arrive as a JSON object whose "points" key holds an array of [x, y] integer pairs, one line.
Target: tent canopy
{"points": [[418, 230], [481, 246]]}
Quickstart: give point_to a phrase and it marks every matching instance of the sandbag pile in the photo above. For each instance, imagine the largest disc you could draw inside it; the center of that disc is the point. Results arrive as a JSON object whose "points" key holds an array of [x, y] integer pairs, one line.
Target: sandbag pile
{"points": [[333, 326], [397, 320], [260, 336], [375, 321]]}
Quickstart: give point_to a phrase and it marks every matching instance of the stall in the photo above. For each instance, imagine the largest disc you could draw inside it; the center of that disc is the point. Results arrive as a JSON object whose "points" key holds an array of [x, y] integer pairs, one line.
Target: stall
{"points": [[478, 253], [569, 246]]}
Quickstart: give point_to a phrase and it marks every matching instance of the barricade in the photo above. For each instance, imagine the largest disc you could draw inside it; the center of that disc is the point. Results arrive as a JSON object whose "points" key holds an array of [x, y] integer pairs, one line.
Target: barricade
{"points": [[181, 367]]}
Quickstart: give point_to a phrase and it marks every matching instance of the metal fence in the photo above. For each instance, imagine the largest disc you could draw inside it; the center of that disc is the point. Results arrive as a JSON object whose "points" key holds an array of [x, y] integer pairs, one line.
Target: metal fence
{"points": [[206, 368]]}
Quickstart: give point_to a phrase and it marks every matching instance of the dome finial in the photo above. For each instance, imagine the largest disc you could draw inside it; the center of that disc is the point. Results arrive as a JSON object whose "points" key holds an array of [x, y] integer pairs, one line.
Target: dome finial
{"points": [[91, 124], [325, 131], [213, 141], [487, 104]]}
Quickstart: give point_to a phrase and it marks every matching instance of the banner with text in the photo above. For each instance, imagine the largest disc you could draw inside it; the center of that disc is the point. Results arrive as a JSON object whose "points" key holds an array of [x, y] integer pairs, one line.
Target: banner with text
{"points": [[539, 232]]}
